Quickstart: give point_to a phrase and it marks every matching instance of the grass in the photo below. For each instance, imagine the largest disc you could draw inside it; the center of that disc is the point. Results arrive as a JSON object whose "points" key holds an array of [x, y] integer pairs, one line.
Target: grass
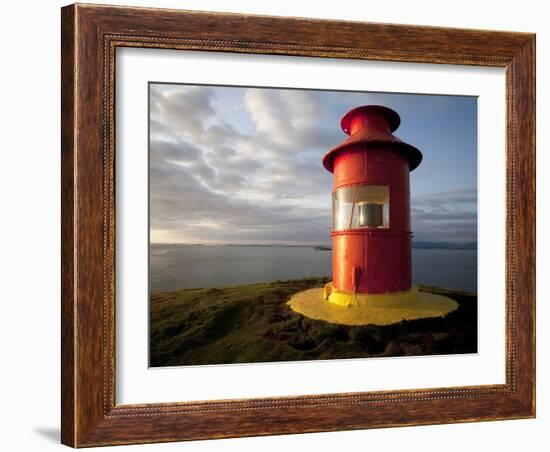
{"points": [[253, 323]]}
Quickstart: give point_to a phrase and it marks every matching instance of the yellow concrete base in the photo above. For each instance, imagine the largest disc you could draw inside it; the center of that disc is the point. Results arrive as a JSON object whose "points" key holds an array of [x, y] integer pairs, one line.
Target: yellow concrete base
{"points": [[368, 300], [369, 309]]}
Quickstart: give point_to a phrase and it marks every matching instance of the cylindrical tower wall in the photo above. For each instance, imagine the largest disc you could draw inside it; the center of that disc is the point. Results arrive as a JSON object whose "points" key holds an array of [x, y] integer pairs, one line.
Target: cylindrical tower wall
{"points": [[367, 260]]}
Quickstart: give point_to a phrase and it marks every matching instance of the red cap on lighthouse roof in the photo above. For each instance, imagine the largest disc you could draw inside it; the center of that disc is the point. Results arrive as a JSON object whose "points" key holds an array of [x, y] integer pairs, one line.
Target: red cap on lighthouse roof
{"points": [[373, 125]]}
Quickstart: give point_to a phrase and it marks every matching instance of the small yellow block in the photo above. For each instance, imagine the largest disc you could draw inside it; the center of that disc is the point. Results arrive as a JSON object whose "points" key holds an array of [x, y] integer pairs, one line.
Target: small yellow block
{"points": [[402, 299]]}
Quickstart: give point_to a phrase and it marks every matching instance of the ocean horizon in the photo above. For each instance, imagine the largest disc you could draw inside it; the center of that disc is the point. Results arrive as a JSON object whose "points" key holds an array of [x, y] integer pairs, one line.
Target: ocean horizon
{"points": [[174, 266], [415, 244]]}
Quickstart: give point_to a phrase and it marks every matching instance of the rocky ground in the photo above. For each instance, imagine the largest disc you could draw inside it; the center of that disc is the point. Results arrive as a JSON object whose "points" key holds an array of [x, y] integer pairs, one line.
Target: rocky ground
{"points": [[253, 323]]}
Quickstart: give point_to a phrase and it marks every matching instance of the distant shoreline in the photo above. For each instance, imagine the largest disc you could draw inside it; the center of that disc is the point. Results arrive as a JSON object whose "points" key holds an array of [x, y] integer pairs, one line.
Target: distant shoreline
{"points": [[415, 245]]}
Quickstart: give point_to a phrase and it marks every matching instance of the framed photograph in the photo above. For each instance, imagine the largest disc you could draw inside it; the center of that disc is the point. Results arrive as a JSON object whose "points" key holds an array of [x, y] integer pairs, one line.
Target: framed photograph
{"points": [[282, 225]]}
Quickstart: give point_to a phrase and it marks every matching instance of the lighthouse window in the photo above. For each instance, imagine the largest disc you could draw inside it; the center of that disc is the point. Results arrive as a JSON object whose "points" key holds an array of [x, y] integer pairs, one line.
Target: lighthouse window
{"points": [[361, 206]]}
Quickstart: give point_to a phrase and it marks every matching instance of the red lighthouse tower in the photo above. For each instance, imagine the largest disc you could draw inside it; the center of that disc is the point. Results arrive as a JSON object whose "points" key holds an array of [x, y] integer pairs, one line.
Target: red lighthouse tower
{"points": [[371, 231]]}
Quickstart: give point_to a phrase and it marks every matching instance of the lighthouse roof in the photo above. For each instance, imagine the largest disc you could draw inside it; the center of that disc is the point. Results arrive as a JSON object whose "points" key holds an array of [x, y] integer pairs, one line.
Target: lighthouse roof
{"points": [[373, 125]]}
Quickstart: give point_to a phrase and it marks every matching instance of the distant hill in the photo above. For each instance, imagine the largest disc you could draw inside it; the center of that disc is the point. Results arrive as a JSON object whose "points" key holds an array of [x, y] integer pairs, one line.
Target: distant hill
{"points": [[415, 244], [427, 246]]}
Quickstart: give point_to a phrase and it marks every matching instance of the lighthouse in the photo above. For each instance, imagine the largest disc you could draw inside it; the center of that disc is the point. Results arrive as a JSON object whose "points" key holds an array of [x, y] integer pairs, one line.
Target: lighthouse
{"points": [[371, 229]]}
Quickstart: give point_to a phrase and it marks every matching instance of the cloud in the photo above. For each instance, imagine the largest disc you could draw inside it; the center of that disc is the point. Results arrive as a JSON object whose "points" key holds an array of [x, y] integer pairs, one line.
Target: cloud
{"points": [[201, 214], [445, 216], [289, 120], [187, 112], [246, 168], [182, 108], [177, 150]]}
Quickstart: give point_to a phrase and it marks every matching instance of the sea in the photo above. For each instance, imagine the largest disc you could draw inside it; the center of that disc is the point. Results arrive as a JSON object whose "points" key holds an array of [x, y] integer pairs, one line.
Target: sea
{"points": [[183, 266]]}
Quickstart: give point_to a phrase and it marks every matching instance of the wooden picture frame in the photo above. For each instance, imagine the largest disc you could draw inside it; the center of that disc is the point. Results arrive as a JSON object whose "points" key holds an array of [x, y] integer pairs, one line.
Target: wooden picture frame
{"points": [[90, 36]]}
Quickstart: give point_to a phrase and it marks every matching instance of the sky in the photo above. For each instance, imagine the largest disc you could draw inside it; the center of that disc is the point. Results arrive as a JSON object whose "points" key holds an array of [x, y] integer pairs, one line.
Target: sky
{"points": [[243, 165]]}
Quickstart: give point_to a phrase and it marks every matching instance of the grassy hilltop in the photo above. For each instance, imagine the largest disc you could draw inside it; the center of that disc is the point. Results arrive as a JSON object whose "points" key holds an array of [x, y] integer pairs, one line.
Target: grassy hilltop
{"points": [[253, 323]]}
